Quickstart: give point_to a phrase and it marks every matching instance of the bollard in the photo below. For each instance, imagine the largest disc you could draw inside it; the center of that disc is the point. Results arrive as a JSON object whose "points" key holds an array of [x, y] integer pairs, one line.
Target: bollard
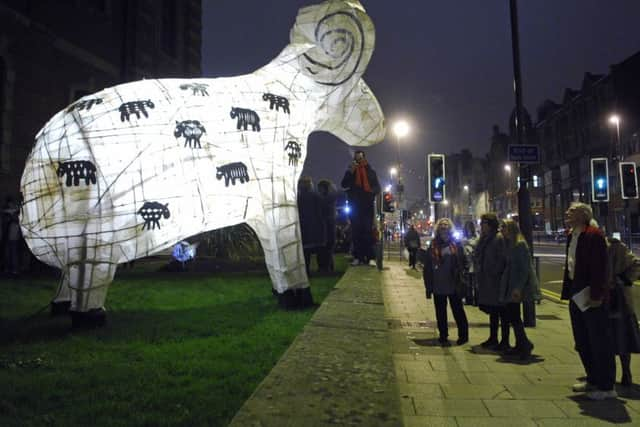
{"points": [[529, 307]]}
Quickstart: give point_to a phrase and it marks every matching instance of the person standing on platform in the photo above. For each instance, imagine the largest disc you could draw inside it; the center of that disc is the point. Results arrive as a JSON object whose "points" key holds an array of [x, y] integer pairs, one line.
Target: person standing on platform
{"points": [[361, 183]]}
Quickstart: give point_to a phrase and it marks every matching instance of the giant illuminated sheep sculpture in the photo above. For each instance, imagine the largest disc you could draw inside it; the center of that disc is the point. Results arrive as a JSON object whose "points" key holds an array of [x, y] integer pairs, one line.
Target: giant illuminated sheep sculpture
{"points": [[133, 169]]}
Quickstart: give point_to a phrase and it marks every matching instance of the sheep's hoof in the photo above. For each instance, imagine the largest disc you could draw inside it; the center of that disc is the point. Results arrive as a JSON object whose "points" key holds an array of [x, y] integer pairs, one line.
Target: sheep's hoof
{"points": [[91, 319], [60, 308]]}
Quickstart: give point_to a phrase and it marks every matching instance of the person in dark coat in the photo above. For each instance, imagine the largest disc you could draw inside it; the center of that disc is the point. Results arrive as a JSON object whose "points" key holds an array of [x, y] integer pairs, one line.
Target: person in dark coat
{"points": [[311, 222], [442, 275], [361, 184], [412, 243], [585, 275], [490, 263], [328, 198]]}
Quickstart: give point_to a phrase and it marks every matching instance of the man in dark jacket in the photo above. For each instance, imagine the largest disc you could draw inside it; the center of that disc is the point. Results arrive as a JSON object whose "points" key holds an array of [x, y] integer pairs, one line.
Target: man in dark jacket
{"points": [[585, 282], [412, 243], [311, 224], [361, 184], [328, 196]]}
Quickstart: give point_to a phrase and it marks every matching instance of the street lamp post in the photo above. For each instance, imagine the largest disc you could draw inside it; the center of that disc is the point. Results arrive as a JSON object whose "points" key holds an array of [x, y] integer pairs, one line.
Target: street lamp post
{"points": [[508, 191], [466, 190], [614, 119], [400, 130]]}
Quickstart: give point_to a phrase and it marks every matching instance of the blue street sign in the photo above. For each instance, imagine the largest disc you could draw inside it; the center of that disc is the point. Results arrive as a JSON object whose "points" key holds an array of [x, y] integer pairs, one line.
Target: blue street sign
{"points": [[524, 153]]}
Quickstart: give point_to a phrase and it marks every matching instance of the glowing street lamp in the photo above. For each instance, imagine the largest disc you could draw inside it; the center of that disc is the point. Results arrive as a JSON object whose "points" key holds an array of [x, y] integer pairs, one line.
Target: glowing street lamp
{"points": [[614, 119]]}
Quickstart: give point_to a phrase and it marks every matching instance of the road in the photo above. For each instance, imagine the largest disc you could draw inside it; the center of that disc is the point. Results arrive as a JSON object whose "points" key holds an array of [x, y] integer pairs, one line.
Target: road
{"points": [[551, 258]]}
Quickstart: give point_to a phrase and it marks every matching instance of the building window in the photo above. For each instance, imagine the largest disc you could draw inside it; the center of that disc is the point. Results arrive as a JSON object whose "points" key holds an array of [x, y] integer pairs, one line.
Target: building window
{"points": [[169, 30]]}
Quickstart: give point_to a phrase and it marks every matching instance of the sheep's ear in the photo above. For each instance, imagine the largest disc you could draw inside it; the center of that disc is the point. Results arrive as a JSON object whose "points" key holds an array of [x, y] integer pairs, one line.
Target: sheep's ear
{"points": [[357, 120], [343, 38]]}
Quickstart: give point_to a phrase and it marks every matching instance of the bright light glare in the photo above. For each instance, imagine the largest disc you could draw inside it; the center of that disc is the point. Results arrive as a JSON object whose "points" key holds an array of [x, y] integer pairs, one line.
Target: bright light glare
{"points": [[347, 209], [387, 188], [507, 168], [401, 129], [600, 183], [465, 188], [393, 171], [614, 119]]}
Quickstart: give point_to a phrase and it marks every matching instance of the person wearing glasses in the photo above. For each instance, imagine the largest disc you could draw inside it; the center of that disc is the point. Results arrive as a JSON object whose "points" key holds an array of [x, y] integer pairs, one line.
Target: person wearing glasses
{"points": [[442, 275], [585, 283]]}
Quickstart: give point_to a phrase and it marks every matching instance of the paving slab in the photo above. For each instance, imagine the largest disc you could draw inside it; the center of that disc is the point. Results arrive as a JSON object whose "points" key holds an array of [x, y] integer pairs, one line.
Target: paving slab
{"points": [[523, 408]]}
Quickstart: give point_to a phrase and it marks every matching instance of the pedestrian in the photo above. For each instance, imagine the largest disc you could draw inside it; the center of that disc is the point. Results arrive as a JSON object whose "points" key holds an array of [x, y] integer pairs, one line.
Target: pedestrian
{"points": [[412, 243], [11, 236], [585, 283], [490, 263], [623, 270], [442, 275], [518, 285], [328, 197], [311, 224], [361, 183], [469, 243]]}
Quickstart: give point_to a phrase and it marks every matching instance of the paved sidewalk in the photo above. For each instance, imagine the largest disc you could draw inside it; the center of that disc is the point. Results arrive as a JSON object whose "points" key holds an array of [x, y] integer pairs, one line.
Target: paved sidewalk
{"points": [[456, 386], [340, 369]]}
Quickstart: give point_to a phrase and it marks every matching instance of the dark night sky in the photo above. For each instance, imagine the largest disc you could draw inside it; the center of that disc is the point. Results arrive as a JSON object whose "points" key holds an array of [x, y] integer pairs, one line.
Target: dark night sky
{"points": [[444, 66]]}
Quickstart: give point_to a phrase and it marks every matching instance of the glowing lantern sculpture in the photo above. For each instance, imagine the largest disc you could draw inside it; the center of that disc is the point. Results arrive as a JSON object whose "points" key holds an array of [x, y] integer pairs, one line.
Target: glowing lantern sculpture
{"points": [[133, 169]]}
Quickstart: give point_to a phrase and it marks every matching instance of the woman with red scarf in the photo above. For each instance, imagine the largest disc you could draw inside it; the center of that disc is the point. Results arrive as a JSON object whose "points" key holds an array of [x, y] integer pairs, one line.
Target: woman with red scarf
{"points": [[442, 274], [361, 183]]}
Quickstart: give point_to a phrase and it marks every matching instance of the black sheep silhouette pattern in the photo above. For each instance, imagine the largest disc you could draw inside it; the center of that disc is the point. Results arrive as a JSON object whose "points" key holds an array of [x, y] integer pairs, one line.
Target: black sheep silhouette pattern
{"points": [[294, 152], [151, 212], [75, 170], [135, 107], [246, 118], [85, 104], [196, 88], [277, 102], [231, 172], [191, 130]]}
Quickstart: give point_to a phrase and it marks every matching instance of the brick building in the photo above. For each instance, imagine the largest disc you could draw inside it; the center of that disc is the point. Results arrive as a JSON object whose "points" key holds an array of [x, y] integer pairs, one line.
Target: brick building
{"points": [[579, 128], [53, 52]]}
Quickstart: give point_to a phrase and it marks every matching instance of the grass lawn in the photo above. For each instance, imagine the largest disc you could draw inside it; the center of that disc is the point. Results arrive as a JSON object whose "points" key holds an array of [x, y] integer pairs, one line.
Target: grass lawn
{"points": [[178, 348]]}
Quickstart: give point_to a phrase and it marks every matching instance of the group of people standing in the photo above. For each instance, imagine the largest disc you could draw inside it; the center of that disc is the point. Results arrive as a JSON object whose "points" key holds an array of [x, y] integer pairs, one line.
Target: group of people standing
{"points": [[317, 214], [494, 271], [496, 266]]}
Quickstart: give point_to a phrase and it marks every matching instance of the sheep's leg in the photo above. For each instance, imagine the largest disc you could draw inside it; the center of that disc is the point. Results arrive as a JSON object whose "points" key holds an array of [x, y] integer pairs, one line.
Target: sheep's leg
{"points": [[279, 234], [90, 275]]}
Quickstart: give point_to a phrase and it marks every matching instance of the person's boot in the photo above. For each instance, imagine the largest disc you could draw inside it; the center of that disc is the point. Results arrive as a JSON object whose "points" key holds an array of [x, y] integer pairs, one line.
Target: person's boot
{"points": [[626, 380]]}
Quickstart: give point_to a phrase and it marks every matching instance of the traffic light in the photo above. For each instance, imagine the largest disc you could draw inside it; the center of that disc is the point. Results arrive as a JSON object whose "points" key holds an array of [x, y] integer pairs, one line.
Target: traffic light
{"points": [[387, 202], [436, 174], [628, 180], [599, 180]]}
